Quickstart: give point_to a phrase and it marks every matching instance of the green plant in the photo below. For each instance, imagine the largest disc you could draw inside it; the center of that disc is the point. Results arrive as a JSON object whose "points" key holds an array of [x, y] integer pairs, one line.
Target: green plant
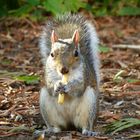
{"points": [[116, 7], [62, 6], [28, 8], [35, 9], [130, 80], [6, 5], [121, 125], [28, 79], [128, 10], [104, 49]]}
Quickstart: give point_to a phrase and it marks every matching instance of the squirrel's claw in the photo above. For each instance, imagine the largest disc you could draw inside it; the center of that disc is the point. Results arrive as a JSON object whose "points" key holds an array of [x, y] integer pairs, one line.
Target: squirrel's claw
{"points": [[59, 88], [89, 133], [46, 132], [66, 89], [38, 133]]}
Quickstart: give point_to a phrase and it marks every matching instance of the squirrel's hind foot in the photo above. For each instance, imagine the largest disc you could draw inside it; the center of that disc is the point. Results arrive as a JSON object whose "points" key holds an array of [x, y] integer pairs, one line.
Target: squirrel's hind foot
{"points": [[49, 131], [89, 133]]}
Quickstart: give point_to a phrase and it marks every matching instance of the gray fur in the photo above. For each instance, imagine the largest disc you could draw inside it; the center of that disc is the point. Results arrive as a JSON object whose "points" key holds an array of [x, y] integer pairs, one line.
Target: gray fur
{"points": [[64, 26], [81, 100]]}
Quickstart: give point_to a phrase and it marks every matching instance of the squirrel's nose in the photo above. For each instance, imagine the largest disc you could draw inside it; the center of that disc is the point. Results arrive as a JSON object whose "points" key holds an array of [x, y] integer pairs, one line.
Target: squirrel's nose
{"points": [[64, 70]]}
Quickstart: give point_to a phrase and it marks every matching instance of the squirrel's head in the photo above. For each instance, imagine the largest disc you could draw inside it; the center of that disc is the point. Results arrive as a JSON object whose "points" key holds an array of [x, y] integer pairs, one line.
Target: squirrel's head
{"points": [[65, 53]]}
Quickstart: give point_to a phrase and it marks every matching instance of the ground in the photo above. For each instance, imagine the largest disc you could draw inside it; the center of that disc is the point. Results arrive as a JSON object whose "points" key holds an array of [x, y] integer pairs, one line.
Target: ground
{"points": [[19, 96]]}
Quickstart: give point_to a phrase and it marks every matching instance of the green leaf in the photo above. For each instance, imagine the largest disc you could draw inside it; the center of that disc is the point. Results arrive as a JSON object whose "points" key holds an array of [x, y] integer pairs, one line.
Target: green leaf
{"points": [[121, 125], [6, 62], [131, 11], [62, 6], [54, 6], [104, 49], [73, 5], [33, 2], [3, 8], [20, 128], [134, 136], [132, 80], [37, 15], [22, 11], [100, 12], [29, 79]]}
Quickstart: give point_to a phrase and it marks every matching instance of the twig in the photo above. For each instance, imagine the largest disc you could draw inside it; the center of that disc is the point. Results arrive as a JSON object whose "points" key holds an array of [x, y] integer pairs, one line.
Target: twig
{"points": [[20, 128], [128, 93], [13, 134], [30, 23], [138, 106], [6, 113], [125, 46]]}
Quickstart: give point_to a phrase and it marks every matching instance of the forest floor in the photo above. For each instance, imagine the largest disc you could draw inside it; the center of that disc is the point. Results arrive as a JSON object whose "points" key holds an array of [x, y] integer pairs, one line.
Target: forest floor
{"points": [[21, 75]]}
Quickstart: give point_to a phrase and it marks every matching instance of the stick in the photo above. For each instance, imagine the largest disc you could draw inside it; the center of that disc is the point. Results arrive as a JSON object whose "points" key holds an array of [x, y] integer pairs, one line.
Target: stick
{"points": [[125, 46]]}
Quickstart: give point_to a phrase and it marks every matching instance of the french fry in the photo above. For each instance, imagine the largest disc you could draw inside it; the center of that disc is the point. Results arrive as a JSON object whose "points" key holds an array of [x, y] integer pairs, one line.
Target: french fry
{"points": [[65, 79], [61, 96]]}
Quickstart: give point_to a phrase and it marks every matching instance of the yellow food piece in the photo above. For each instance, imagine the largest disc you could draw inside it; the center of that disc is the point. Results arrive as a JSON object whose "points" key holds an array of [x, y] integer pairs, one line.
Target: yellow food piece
{"points": [[65, 79], [61, 96]]}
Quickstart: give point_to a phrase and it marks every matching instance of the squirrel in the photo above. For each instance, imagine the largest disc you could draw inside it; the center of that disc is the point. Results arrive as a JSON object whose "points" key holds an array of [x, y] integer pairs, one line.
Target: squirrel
{"points": [[69, 46]]}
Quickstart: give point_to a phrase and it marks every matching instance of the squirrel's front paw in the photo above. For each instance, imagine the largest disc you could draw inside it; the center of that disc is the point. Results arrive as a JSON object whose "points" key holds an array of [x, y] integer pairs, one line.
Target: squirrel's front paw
{"points": [[59, 88], [66, 88]]}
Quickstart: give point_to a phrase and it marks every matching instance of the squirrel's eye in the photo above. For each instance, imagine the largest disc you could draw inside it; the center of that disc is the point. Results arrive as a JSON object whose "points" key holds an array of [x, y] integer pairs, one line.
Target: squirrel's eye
{"points": [[76, 53], [52, 55]]}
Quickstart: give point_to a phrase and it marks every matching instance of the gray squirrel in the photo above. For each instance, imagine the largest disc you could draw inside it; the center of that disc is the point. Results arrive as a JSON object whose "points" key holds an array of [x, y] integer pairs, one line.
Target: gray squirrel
{"points": [[69, 46]]}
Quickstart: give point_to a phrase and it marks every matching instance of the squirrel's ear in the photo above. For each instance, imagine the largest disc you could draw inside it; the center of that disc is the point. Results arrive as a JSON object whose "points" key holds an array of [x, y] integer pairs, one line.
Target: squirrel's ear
{"points": [[75, 38], [54, 37]]}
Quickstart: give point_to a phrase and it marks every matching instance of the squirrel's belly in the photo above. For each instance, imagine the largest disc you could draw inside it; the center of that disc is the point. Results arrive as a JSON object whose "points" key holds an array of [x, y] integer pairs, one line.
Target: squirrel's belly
{"points": [[65, 112], [68, 108]]}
